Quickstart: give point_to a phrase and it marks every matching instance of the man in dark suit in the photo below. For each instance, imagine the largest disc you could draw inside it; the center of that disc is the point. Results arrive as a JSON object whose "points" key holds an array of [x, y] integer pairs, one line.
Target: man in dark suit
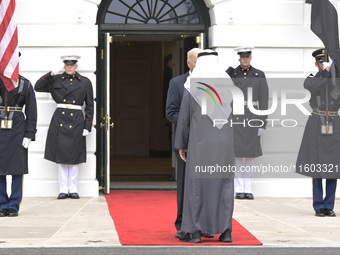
{"points": [[173, 105]]}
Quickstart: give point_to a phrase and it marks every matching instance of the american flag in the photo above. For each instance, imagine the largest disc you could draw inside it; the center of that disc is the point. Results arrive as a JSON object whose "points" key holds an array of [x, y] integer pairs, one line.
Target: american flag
{"points": [[9, 55]]}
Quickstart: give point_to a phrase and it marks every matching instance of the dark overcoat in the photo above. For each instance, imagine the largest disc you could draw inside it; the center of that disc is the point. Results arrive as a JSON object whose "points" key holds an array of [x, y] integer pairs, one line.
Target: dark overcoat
{"points": [[246, 140], [13, 156], [319, 154], [65, 143]]}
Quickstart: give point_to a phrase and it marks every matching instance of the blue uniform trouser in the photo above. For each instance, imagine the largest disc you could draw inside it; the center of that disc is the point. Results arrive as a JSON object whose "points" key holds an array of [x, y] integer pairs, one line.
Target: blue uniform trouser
{"points": [[12, 202], [180, 189], [318, 201]]}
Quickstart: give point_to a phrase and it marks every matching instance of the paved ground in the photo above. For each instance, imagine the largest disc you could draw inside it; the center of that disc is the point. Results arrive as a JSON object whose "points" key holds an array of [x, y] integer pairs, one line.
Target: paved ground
{"points": [[48, 222]]}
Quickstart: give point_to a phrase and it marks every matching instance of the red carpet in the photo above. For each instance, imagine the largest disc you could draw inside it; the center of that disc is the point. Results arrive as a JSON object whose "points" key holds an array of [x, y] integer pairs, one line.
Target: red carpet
{"points": [[147, 218]]}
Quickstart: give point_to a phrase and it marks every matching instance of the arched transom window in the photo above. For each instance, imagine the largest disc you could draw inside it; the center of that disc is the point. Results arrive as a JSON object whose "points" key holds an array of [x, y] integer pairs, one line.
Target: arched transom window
{"points": [[151, 12]]}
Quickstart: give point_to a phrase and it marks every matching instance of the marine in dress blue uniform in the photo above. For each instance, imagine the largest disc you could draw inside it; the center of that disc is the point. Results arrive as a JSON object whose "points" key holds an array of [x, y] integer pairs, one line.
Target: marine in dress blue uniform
{"points": [[246, 137], [18, 129], [320, 144], [66, 142]]}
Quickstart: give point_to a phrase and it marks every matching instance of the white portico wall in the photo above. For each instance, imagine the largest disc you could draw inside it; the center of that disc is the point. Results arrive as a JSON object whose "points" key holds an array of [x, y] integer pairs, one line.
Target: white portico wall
{"points": [[47, 30]]}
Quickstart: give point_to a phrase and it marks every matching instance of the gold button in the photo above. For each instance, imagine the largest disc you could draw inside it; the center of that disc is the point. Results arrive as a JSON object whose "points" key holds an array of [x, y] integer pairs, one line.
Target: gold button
{"points": [[70, 126], [74, 102], [247, 107], [246, 119], [71, 114], [64, 100], [245, 77], [61, 125], [63, 113], [237, 118]]}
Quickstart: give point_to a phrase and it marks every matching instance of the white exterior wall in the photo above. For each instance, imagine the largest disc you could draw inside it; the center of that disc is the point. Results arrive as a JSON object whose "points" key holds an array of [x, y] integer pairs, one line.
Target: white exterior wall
{"points": [[48, 29], [279, 29]]}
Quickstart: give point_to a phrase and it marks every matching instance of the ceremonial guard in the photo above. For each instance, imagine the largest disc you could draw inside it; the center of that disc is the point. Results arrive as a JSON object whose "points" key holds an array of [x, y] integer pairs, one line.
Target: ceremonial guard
{"points": [[247, 132], [18, 129], [66, 142], [319, 154]]}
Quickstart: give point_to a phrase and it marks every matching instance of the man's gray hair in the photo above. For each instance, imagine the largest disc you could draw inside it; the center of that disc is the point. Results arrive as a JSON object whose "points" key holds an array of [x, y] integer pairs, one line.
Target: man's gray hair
{"points": [[193, 50]]}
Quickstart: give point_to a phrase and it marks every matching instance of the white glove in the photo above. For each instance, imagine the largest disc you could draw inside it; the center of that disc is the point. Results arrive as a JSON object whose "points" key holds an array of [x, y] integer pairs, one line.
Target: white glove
{"points": [[260, 131], [237, 63], [26, 142], [325, 65], [85, 132]]}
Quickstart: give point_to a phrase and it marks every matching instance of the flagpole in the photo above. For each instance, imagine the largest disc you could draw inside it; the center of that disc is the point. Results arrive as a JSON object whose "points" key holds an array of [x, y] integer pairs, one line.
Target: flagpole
{"points": [[327, 119]]}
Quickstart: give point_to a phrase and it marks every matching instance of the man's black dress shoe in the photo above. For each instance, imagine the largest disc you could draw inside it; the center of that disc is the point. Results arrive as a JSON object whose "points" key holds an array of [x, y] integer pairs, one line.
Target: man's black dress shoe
{"points": [[329, 212], [240, 196], [180, 234], [73, 195], [249, 196], [320, 213], [195, 237], [192, 238], [62, 196], [207, 235], [185, 238], [12, 213], [225, 237], [3, 212]]}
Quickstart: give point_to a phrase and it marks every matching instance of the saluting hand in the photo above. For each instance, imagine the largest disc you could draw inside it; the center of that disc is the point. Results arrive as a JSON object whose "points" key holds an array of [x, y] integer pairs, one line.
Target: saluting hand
{"points": [[182, 155]]}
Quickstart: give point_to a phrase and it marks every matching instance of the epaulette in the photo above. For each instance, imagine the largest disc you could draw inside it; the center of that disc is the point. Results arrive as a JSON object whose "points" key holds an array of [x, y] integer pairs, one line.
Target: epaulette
{"points": [[84, 77], [23, 78]]}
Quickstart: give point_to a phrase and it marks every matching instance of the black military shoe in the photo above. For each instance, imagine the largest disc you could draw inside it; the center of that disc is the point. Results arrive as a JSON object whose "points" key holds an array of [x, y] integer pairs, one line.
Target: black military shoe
{"points": [[320, 213], [249, 196], [240, 196], [329, 212], [62, 196], [3, 212], [73, 195], [12, 213], [180, 234]]}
